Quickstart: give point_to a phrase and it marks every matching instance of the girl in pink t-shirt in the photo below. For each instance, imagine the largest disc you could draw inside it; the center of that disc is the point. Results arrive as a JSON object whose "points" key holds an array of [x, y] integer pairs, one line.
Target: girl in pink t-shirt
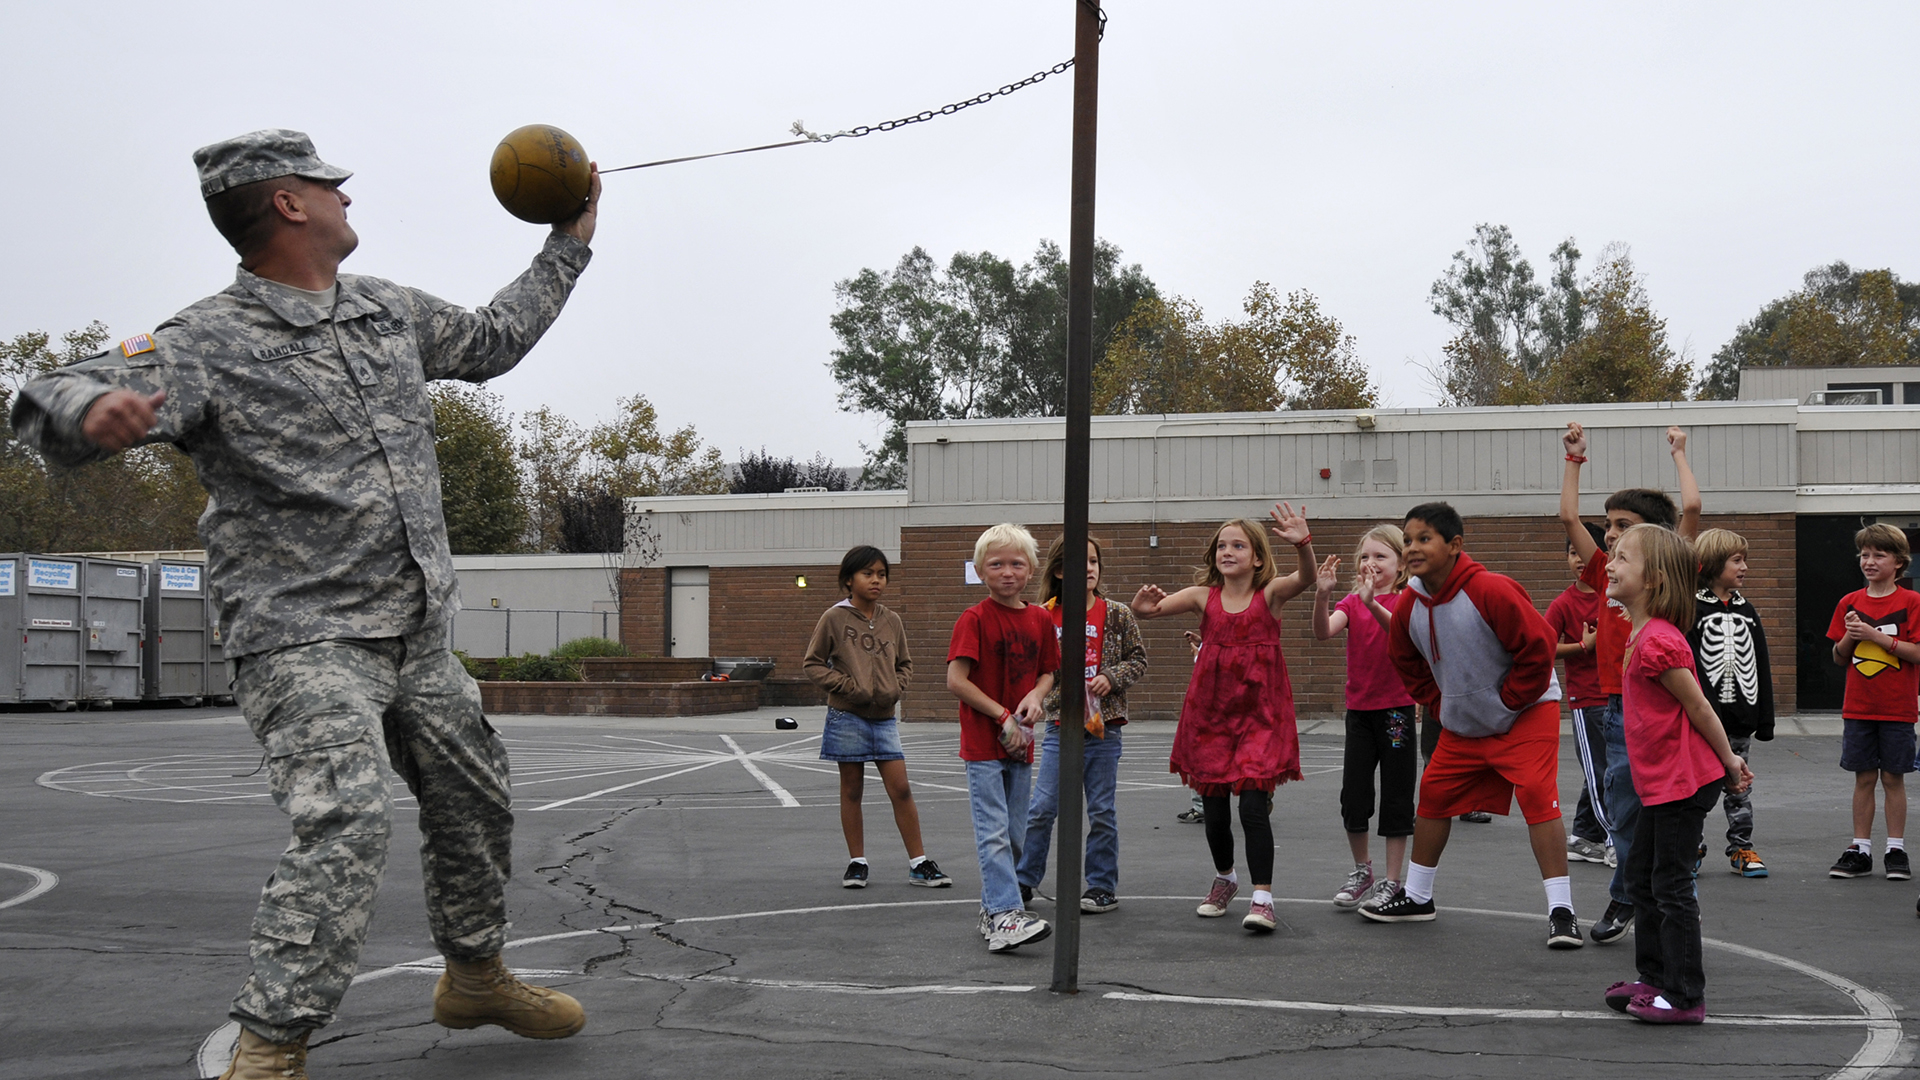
{"points": [[1380, 730], [1681, 762]]}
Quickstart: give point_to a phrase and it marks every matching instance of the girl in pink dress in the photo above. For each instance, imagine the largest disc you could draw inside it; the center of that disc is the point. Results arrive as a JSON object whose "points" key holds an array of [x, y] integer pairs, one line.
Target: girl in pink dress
{"points": [[1236, 731]]}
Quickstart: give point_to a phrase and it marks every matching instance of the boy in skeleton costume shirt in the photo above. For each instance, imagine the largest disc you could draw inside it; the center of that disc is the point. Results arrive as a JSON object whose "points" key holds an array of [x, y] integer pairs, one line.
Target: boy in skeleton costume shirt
{"points": [[1730, 656]]}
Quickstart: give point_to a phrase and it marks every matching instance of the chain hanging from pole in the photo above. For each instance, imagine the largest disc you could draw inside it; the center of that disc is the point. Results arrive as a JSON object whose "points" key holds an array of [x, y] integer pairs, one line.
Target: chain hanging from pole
{"points": [[806, 136]]}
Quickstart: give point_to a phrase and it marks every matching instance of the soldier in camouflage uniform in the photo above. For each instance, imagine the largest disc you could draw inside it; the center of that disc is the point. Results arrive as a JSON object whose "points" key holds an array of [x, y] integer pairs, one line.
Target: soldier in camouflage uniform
{"points": [[300, 395]]}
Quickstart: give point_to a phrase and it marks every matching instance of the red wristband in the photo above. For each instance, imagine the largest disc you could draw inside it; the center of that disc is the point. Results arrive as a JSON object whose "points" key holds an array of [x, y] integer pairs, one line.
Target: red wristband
{"points": [[1577, 459], [1304, 543]]}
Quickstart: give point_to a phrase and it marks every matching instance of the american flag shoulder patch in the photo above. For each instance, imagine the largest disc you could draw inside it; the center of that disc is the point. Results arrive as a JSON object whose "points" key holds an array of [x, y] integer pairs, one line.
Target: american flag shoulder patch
{"points": [[134, 346]]}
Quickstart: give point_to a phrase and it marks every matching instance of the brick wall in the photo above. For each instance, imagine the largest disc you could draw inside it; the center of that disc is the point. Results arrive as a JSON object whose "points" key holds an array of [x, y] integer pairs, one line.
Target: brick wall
{"points": [[757, 611], [643, 611]]}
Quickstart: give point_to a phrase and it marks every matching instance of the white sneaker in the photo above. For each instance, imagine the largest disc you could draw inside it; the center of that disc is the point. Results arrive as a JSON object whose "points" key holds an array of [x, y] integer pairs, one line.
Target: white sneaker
{"points": [[1012, 929], [1583, 850], [1613, 857], [986, 925], [1383, 889]]}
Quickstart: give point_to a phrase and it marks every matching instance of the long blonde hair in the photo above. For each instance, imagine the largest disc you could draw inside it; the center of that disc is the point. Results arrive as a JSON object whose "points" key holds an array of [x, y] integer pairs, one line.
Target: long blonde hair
{"points": [[1671, 568], [1210, 576], [1394, 540]]}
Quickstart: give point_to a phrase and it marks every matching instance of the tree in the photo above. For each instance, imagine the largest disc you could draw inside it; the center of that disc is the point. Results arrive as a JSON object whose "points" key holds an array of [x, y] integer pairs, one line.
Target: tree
{"points": [[1508, 329], [1622, 352], [480, 480], [979, 338], [550, 450], [1839, 317], [148, 498], [1166, 358], [761, 472]]}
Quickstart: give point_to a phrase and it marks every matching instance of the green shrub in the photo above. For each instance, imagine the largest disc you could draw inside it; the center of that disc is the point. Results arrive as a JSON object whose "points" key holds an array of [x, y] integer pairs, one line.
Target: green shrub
{"points": [[474, 668], [533, 668], [580, 648]]}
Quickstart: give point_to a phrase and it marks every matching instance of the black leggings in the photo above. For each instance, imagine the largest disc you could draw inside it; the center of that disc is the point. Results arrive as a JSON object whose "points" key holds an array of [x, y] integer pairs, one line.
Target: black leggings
{"points": [[1256, 810]]}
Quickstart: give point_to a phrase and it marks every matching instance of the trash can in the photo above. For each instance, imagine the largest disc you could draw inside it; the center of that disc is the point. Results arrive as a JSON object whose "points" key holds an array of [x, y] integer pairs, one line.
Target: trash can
{"points": [[184, 661]]}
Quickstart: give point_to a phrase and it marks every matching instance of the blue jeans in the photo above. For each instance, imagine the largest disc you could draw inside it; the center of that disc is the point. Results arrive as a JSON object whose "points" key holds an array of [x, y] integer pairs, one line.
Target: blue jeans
{"points": [[1622, 802], [997, 794], [1101, 773]]}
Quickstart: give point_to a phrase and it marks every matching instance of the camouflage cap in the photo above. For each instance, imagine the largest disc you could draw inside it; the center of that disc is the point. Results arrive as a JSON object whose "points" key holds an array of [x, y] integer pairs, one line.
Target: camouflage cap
{"points": [[261, 155]]}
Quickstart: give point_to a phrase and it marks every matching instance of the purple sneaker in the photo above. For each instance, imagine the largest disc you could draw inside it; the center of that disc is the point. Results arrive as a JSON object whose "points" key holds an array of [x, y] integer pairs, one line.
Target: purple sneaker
{"points": [[1620, 993], [1646, 1007], [1259, 919], [1215, 905]]}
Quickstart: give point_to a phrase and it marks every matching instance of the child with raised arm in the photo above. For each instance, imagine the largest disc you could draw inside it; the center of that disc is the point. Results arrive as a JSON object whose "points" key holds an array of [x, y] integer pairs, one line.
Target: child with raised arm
{"points": [[1730, 656], [1575, 617], [1876, 637], [858, 655], [1236, 732], [1380, 732], [1625, 508], [1681, 762], [1000, 664], [1468, 643], [1115, 660]]}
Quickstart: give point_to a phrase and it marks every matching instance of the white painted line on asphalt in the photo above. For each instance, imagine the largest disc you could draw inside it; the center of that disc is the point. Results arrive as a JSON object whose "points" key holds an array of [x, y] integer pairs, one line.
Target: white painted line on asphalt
{"points": [[216, 1050], [622, 787], [1737, 1019], [1872, 1061], [43, 880], [746, 762]]}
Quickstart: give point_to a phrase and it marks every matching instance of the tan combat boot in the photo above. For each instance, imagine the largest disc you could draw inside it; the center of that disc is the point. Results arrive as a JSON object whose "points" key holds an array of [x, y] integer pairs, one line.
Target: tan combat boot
{"points": [[257, 1059], [485, 992]]}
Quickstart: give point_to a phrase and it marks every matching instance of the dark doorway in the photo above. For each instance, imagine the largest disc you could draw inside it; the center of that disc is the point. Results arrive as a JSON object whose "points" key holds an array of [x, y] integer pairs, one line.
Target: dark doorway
{"points": [[1828, 570]]}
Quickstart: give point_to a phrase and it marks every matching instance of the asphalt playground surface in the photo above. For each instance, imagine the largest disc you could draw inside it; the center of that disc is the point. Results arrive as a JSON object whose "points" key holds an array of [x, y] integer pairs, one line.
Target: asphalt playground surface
{"points": [[681, 877]]}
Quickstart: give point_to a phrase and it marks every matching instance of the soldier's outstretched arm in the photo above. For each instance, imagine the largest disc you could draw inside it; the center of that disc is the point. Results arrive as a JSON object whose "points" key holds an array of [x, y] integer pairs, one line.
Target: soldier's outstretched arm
{"points": [[476, 345], [130, 395]]}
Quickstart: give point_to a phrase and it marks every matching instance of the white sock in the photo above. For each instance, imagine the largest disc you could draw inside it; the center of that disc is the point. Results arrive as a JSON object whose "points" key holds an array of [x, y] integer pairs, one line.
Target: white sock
{"points": [[1559, 892], [1419, 886], [1262, 896], [1660, 1002], [1863, 844], [861, 859], [1896, 843], [916, 861], [1228, 876]]}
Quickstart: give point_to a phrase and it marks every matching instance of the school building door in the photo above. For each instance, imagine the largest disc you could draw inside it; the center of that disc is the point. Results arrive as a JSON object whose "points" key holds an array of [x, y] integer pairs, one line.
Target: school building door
{"points": [[687, 611], [1829, 568]]}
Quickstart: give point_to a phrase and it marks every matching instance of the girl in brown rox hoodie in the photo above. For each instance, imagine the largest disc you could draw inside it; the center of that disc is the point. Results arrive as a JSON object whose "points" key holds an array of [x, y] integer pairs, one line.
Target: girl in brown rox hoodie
{"points": [[858, 655]]}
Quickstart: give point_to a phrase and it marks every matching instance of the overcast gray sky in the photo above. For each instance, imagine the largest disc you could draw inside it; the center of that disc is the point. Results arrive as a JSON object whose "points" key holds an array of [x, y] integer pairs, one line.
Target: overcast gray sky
{"points": [[1345, 149]]}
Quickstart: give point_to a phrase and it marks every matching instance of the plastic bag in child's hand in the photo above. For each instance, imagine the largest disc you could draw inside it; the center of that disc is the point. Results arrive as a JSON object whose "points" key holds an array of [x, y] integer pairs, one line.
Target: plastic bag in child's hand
{"points": [[1096, 724]]}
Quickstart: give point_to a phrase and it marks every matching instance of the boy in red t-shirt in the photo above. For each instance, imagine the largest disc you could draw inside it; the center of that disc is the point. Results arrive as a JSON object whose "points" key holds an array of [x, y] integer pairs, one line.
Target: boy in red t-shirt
{"points": [[1876, 636], [1575, 617], [1000, 664], [1625, 509]]}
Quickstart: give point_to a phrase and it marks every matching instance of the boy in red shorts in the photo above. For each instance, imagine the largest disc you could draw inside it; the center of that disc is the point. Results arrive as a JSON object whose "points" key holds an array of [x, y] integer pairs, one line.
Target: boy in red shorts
{"points": [[1472, 647]]}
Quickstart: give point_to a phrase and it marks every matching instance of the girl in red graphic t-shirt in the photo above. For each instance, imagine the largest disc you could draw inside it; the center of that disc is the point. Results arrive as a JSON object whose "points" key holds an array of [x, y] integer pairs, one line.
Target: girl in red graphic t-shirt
{"points": [[1379, 710], [1681, 762], [1236, 732]]}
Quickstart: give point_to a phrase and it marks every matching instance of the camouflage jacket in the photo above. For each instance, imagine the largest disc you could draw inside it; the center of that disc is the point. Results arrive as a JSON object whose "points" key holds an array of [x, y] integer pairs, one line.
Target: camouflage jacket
{"points": [[313, 435]]}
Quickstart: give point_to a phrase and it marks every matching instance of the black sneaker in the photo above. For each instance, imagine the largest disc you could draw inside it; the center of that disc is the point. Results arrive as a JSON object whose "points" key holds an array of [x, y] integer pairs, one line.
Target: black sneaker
{"points": [[1478, 817], [1898, 868], [928, 874], [1563, 930], [1852, 863], [1399, 908], [1613, 924], [1098, 901], [1026, 894], [855, 877]]}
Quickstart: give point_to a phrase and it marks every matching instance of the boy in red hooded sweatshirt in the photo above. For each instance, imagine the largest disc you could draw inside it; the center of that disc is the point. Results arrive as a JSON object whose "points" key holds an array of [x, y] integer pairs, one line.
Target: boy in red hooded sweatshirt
{"points": [[1472, 647]]}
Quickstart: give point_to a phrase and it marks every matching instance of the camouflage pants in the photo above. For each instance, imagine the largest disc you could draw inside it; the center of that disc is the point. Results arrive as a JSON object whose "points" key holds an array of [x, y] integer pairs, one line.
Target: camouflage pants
{"points": [[332, 715]]}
